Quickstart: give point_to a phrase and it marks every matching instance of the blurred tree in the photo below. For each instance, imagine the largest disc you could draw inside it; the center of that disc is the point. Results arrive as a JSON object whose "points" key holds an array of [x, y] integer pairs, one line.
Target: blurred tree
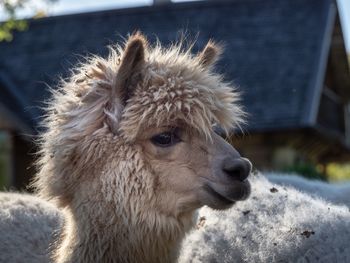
{"points": [[11, 23], [338, 172], [306, 169]]}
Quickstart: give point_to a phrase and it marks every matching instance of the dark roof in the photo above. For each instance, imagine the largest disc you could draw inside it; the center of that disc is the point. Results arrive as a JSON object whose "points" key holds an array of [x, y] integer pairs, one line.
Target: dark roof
{"points": [[274, 52]]}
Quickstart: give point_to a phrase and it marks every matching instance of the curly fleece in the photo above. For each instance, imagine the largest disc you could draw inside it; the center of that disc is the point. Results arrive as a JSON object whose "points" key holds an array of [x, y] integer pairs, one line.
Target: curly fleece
{"points": [[277, 224]]}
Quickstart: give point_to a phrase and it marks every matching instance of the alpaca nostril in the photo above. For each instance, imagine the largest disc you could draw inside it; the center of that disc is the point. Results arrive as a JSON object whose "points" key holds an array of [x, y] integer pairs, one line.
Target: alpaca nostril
{"points": [[238, 169], [236, 173]]}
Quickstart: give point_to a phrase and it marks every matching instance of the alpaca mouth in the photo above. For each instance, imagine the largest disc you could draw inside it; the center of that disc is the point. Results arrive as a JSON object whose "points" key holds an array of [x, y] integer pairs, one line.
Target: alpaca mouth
{"points": [[218, 196], [224, 196]]}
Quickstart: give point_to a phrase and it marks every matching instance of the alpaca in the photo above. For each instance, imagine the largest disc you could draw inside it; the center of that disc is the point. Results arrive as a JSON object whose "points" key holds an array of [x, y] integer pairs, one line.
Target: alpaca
{"points": [[130, 153], [337, 193], [276, 224], [27, 226]]}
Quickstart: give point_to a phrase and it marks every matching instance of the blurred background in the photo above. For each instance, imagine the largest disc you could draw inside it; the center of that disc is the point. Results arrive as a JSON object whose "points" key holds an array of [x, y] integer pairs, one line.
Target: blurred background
{"points": [[289, 58]]}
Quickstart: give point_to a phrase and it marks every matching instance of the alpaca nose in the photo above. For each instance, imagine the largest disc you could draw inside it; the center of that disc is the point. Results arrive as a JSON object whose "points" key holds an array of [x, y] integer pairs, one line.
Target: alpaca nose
{"points": [[238, 169]]}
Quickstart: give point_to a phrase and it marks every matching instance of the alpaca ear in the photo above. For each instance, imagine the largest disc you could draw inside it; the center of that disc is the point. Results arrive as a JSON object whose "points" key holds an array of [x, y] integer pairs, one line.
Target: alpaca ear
{"points": [[210, 54], [132, 62]]}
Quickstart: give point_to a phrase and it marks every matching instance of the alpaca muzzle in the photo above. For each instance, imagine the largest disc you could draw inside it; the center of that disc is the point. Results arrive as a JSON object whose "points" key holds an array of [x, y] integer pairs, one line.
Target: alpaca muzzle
{"points": [[237, 169], [234, 184]]}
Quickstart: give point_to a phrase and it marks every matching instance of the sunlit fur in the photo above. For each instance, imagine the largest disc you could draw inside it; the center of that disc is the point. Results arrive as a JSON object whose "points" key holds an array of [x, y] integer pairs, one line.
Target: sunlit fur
{"points": [[92, 163]]}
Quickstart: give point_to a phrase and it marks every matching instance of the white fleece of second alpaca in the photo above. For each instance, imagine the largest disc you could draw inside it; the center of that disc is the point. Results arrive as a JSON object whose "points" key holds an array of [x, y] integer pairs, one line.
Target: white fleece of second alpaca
{"points": [[276, 224], [28, 226]]}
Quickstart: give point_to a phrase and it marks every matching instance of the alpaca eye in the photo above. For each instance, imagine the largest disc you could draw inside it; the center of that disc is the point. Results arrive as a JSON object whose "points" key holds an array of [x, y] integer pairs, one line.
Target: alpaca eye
{"points": [[165, 139]]}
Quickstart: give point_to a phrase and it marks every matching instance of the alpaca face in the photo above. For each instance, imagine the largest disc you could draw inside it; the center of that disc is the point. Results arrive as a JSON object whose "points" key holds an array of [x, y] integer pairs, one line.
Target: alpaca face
{"points": [[192, 171], [170, 113], [139, 126]]}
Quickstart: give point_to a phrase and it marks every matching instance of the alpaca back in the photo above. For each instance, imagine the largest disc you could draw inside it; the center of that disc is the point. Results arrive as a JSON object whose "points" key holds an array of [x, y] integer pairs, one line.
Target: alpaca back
{"points": [[277, 224], [337, 193], [28, 226]]}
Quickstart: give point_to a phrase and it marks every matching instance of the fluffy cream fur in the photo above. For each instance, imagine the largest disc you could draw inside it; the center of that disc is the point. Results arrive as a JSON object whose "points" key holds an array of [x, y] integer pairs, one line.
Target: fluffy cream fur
{"points": [[92, 161]]}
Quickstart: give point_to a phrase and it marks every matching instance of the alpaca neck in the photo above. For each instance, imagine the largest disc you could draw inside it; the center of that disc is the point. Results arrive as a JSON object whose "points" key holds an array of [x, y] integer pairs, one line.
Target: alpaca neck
{"points": [[90, 241]]}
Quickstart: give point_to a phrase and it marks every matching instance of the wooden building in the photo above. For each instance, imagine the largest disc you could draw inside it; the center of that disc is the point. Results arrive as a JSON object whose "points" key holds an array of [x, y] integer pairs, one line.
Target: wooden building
{"points": [[286, 56]]}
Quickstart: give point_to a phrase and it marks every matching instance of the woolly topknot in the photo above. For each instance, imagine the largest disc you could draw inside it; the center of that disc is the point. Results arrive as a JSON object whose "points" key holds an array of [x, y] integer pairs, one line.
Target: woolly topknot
{"points": [[176, 86]]}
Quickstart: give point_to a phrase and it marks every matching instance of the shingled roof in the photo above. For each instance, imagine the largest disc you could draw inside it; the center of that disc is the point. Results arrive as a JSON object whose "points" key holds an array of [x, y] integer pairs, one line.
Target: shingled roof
{"points": [[274, 52]]}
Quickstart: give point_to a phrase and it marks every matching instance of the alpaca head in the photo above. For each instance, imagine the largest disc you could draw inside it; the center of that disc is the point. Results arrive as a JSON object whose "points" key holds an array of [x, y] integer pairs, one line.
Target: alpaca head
{"points": [[135, 133]]}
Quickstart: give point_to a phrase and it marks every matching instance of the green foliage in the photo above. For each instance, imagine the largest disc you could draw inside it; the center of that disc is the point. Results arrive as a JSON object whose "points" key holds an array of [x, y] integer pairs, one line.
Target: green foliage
{"points": [[329, 172], [338, 172], [8, 27], [307, 170], [12, 24]]}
